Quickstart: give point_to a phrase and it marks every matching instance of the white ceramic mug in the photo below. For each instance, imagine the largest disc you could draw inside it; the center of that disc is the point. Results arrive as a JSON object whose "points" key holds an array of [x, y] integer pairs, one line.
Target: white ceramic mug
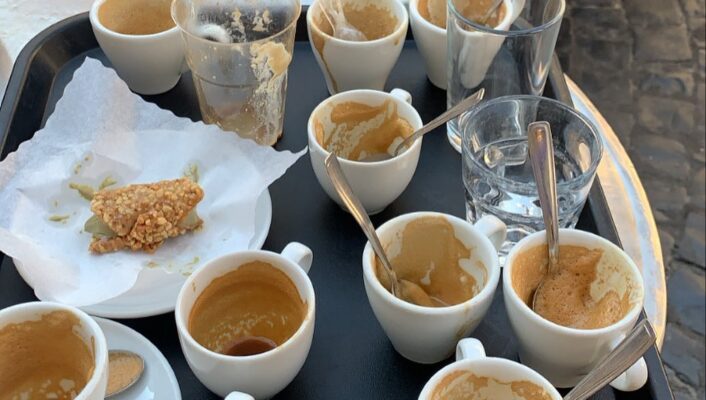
{"points": [[426, 334], [349, 65], [149, 64], [431, 42], [262, 375], [565, 355], [470, 357], [377, 183], [89, 331]]}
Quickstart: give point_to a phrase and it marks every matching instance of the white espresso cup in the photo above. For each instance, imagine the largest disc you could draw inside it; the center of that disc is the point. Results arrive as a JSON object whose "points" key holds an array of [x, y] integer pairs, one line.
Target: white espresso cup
{"points": [[89, 331], [470, 357], [149, 64], [259, 376], [428, 335], [376, 183], [349, 65], [565, 355], [431, 41]]}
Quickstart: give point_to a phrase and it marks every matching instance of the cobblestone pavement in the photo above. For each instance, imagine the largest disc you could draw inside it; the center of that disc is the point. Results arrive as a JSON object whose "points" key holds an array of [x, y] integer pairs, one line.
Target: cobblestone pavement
{"points": [[642, 63]]}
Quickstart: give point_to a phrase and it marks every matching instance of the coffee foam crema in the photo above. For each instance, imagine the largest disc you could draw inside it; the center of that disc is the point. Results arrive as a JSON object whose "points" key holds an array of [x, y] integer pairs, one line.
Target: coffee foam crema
{"points": [[136, 17], [592, 289], [435, 12], [427, 252], [44, 358], [465, 385], [257, 300], [358, 131]]}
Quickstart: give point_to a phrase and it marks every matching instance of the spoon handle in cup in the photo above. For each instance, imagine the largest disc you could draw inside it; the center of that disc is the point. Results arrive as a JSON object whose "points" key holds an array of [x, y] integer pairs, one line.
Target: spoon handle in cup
{"points": [[541, 150], [452, 113], [629, 351], [333, 168]]}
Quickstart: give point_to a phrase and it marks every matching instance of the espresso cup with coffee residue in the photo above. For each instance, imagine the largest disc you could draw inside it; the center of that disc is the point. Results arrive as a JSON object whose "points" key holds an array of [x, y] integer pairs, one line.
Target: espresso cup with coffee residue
{"points": [[349, 65], [142, 42], [359, 124], [477, 376], [581, 313], [246, 321], [51, 350], [453, 261]]}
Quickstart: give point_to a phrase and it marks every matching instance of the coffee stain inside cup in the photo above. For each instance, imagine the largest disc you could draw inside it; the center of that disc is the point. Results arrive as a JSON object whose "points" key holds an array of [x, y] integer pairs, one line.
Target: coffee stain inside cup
{"points": [[431, 10], [247, 309], [428, 253], [136, 17], [590, 290], [44, 358], [361, 132], [465, 385], [374, 21]]}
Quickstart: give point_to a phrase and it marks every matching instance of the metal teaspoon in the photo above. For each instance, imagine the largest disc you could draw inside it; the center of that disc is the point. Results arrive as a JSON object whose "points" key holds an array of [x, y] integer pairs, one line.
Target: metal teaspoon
{"points": [[452, 113], [541, 152], [635, 344], [400, 288], [134, 379]]}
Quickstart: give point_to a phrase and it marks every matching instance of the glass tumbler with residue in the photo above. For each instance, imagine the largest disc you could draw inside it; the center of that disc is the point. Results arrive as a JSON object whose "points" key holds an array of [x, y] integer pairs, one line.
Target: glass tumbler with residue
{"points": [[239, 52]]}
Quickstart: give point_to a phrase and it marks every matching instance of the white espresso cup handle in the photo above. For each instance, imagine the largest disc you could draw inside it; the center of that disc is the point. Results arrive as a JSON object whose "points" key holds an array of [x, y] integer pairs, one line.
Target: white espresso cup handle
{"points": [[469, 349], [299, 254], [239, 396], [402, 95], [632, 379], [493, 228]]}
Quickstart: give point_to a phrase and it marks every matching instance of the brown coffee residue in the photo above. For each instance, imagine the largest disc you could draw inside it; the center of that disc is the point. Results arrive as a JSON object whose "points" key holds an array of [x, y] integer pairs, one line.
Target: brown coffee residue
{"points": [[433, 11], [565, 298], [136, 17], [429, 254], [465, 385], [123, 369], [44, 358], [256, 300], [476, 10], [360, 131], [375, 22]]}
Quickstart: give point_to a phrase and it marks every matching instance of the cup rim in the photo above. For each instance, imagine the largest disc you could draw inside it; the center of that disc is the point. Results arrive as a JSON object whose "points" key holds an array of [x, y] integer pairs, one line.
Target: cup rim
{"points": [[488, 289], [97, 24], [588, 238], [402, 26], [460, 365], [507, 33], [100, 350], [313, 142], [414, 10], [595, 161], [243, 257], [285, 29]]}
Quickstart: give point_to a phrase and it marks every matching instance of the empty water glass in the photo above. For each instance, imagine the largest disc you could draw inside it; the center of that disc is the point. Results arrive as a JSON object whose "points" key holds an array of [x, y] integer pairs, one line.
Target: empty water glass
{"points": [[239, 52], [497, 172], [507, 53]]}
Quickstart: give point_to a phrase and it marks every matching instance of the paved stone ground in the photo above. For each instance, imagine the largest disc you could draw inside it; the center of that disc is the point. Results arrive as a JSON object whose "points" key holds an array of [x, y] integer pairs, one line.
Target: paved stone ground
{"points": [[642, 63]]}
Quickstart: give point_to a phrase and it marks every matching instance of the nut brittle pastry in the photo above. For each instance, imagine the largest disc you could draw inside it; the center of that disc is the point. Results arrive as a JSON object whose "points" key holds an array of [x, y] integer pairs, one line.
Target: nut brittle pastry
{"points": [[141, 217]]}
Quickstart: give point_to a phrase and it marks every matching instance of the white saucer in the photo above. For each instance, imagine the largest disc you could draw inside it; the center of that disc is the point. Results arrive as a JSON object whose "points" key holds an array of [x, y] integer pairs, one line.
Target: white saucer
{"points": [[155, 291], [158, 381]]}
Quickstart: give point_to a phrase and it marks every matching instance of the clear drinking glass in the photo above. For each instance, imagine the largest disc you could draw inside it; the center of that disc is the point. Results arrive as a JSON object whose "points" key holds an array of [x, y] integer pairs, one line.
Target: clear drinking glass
{"points": [[510, 58], [497, 172], [239, 52]]}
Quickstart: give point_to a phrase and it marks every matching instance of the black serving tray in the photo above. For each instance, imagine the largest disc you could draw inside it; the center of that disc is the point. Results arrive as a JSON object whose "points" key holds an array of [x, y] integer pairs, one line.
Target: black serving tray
{"points": [[351, 358]]}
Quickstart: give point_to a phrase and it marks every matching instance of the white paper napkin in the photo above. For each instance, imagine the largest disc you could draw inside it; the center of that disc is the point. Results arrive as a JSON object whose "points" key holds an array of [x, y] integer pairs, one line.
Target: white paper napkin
{"points": [[100, 129]]}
